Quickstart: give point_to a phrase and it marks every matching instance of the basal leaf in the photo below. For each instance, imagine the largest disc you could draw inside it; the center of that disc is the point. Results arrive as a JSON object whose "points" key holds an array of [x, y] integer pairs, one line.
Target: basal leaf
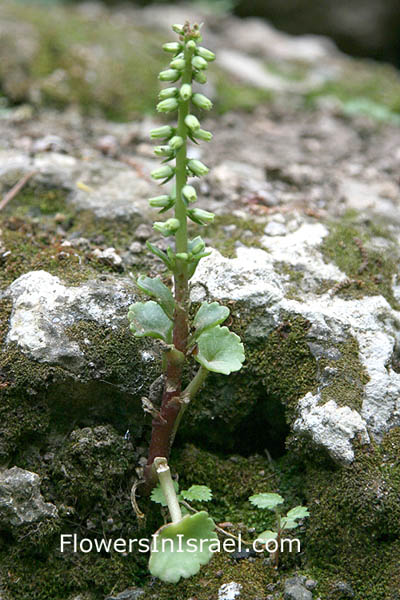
{"points": [[148, 318], [156, 288], [298, 512], [157, 495], [220, 350], [202, 493], [266, 500], [180, 549], [209, 315]]}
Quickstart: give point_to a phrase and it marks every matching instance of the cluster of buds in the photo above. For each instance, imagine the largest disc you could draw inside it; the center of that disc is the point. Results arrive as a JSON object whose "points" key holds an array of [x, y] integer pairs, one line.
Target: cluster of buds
{"points": [[188, 65]]}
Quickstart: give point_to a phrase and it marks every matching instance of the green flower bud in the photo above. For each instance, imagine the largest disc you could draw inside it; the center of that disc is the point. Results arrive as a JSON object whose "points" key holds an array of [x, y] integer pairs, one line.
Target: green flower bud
{"points": [[191, 45], [202, 134], [161, 132], [186, 91], [170, 92], [177, 28], [198, 245], [163, 151], [168, 227], [205, 53], [189, 193], [200, 216], [172, 47], [202, 101], [169, 75], [161, 202], [199, 63], [200, 77], [175, 142], [192, 122], [178, 63], [197, 167], [168, 105], [182, 255], [163, 172]]}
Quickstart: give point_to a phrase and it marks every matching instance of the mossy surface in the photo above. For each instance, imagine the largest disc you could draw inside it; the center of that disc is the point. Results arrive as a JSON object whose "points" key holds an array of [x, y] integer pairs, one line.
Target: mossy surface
{"points": [[350, 245], [227, 231]]}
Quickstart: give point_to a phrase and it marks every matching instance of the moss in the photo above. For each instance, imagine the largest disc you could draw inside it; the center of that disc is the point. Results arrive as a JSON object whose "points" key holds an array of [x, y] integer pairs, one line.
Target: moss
{"points": [[370, 271], [354, 528], [227, 230], [234, 95]]}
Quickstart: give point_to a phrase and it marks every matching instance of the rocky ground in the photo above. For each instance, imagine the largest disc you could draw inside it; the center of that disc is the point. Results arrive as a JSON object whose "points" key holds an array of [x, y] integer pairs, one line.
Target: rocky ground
{"points": [[304, 181]]}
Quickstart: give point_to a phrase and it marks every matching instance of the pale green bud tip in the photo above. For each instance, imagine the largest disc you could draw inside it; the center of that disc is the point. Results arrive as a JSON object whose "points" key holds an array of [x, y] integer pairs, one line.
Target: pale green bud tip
{"points": [[160, 201], [192, 122], [200, 77], [202, 134], [177, 63], [199, 247], [169, 75], [163, 172], [185, 91], [202, 102], [191, 45], [182, 255], [199, 63], [168, 227], [177, 28], [206, 54], [167, 105], [200, 216], [175, 142], [170, 92], [197, 167], [189, 193], [161, 132], [172, 47]]}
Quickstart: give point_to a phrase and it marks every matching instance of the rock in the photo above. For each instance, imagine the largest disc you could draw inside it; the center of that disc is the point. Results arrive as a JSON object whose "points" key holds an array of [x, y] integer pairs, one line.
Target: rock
{"points": [[295, 590], [21, 502], [230, 591], [128, 594], [343, 589], [49, 143], [43, 307], [108, 256]]}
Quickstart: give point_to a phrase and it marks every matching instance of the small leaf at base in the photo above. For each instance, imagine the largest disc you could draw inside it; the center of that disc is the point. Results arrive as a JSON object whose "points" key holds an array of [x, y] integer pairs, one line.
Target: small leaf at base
{"points": [[220, 350]]}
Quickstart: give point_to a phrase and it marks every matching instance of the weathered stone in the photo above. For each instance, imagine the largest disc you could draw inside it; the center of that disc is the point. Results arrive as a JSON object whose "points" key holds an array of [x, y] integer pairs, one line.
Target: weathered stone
{"points": [[21, 502], [295, 590]]}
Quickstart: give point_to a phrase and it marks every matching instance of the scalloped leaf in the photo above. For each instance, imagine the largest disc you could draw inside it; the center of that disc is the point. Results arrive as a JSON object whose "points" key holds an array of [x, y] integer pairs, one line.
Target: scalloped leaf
{"points": [[266, 536], [298, 512], [220, 350], [172, 557], [266, 500], [148, 318], [288, 523], [157, 495], [201, 493], [209, 315], [156, 288]]}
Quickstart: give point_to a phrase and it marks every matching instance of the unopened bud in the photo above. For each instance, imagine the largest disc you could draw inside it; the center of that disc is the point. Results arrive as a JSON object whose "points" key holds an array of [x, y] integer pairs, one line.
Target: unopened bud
{"points": [[168, 105], [202, 134], [161, 132], [172, 47], [163, 151], [168, 227], [161, 201], [170, 92], [198, 246], [197, 167], [177, 28], [191, 45], [169, 75], [189, 193], [202, 102], [163, 172], [200, 216], [175, 142], [186, 91], [200, 77], [199, 63], [192, 122], [182, 255], [177, 63], [205, 53]]}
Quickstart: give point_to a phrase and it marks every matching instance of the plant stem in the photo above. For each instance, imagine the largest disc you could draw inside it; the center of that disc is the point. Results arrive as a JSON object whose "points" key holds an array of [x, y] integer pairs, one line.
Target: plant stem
{"points": [[167, 486], [163, 428]]}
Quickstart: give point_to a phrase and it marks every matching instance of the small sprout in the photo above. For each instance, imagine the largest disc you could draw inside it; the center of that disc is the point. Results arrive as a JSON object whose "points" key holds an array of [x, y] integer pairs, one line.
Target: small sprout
{"points": [[200, 493], [266, 500]]}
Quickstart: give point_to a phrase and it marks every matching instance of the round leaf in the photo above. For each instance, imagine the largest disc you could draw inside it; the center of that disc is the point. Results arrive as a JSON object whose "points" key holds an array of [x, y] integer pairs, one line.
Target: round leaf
{"points": [[156, 288], [148, 318], [172, 556], [289, 523], [202, 493], [209, 315], [298, 512], [266, 536], [220, 350], [266, 500]]}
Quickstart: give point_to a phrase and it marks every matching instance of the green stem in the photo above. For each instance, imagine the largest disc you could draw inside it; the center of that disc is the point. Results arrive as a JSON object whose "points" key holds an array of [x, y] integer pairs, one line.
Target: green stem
{"points": [[187, 395], [167, 486]]}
